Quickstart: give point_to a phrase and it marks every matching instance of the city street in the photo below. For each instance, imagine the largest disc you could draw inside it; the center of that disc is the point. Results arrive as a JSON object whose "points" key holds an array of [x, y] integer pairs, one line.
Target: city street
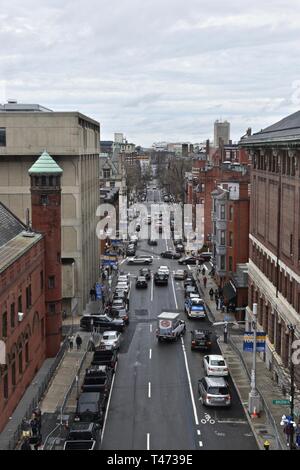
{"points": [[154, 401]]}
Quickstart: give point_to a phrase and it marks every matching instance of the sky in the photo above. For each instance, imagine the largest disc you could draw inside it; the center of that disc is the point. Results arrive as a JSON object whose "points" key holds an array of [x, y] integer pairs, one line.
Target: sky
{"points": [[154, 69]]}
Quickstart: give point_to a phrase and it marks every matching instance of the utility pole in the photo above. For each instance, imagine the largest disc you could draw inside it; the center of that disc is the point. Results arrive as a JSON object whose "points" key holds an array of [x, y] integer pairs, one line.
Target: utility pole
{"points": [[292, 396], [254, 398]]}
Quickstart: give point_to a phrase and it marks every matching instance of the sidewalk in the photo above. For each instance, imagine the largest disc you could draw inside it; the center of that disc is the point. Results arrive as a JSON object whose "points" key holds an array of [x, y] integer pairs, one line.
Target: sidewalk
{"points": [[267, 426]]}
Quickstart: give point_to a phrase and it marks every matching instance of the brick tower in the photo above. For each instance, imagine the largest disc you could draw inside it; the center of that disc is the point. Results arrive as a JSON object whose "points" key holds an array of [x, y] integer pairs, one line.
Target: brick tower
{"points": [[45, 177]]}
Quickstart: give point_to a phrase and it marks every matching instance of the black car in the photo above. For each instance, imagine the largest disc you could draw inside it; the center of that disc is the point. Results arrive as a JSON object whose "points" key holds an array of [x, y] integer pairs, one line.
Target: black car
{"points": [[177, 241], [179, 248], [146, 273], [189, 281], [121, 313], [188, 260], [104, 322], [170, 255], [201, 339], [90, 407], [152, 242], [189, 289], [131, 251], [161, 279], [141, 282]]}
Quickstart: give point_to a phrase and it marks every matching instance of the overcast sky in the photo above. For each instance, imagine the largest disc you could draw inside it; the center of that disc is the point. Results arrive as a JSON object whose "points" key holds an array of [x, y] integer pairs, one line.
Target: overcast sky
{"points": [[154, 69]]}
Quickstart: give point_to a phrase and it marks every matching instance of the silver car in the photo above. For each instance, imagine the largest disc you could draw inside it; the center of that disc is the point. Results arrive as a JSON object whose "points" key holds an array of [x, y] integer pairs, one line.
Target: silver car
{"points": [[110, 340], [214, 391]]}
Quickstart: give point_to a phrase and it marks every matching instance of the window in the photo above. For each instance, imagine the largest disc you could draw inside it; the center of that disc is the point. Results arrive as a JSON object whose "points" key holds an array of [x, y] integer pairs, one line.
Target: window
{"points": [[43, 328], [13, 374], [222, 237], [12, 315], [28, 297], [2, 137], [222, 264], [230, 263], [230, 212], [27, 353], [20, 362], [230, 239], [51, 282], [4, 325], [291, 244], [5, 386], [222, 212], [44, 200], [20, 306], [51, 308], [106, 173], [112, 184], [42, 280]]}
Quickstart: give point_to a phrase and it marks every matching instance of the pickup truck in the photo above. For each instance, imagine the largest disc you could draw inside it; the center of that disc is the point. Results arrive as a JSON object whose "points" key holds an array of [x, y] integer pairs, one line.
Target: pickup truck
{"points": [[90, 407], [83, 436], [170, 327], [97, 379], [105, 358]]}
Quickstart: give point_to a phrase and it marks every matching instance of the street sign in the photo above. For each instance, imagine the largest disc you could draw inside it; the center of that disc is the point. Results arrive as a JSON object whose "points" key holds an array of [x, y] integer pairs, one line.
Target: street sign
{"points": [[98, 289], [260, 341], [281, 402]]}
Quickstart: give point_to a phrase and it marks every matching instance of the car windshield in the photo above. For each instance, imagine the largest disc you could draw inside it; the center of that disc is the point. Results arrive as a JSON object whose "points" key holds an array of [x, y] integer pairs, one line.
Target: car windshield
{"points": [[218, 390], [109, 336], [217, 362]]}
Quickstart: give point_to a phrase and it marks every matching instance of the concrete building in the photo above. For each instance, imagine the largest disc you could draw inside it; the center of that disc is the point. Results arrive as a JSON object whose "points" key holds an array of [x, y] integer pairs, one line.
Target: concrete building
{"points": [[221, 131], [274, 265], [73, 141]]}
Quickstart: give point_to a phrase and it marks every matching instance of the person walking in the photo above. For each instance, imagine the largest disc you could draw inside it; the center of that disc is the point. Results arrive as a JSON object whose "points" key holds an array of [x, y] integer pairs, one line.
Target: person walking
{"points": [[71, 342], [204, 281], [103, 301], [297, 432], [217, 301], [203, 271], [288, 431], [211, 293], [78, 342]]}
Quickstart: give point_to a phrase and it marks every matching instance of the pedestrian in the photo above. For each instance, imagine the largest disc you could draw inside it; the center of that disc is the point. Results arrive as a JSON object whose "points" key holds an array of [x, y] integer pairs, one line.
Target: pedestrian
{"points": [[204, 281], [103, 276], [26, 444], [38, 415], [71, 342], [103, 301], [34, 425], [288, 431], [78, 342], [211, 293], [297, 431], [217, 301], [203, 271]]}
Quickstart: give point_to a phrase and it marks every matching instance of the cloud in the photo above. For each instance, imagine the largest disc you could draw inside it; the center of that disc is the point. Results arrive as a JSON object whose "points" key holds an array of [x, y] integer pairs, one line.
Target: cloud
{"points": [[156, 69]]}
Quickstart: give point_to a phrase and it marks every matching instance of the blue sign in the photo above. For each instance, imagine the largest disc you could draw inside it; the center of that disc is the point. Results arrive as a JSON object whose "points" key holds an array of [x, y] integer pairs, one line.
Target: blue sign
{"points": [[260, 341], [108, 262], [98, 289]]}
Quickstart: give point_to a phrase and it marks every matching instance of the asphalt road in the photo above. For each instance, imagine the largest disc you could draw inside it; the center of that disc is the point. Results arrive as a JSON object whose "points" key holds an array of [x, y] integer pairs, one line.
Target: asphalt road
{"points": [[154, 402]]}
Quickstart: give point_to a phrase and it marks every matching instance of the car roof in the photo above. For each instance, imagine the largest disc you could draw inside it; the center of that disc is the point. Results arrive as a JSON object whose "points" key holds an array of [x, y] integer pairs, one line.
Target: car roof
{"points": [[216, 382], [216, 357], [168, 315], [141, 278]]}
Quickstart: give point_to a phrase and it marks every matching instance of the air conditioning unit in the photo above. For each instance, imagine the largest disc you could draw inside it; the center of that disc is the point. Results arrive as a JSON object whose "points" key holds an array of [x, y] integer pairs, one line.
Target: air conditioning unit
{"points": [[20, 316]]}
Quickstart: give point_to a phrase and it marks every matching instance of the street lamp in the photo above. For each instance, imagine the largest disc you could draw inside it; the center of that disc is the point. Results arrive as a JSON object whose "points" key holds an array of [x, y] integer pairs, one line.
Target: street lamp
{"points": [[254, 398]]}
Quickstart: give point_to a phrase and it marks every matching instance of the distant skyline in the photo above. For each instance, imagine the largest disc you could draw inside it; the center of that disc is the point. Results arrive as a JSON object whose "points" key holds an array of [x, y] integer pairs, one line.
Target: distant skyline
{"points": [[159, 70]]}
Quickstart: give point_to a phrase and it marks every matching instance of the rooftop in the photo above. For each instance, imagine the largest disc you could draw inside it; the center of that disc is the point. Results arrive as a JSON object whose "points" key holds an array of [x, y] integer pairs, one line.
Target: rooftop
{"points": [[45, 165], [14, 106], [285, 130]]}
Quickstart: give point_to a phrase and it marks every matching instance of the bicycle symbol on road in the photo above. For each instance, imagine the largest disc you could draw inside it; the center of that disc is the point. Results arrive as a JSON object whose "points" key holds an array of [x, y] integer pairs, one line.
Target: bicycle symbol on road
{"points": [[207, 419]]}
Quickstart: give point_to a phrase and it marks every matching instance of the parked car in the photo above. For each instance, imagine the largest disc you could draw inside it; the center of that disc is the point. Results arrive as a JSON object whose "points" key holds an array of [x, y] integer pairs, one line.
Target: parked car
{"points": [[104, 358], [118, 303], [179, 248], [122, 313], [188, 260], [201, 339], [215, 365], [130, 250], [97, 379], [83, 436], [161, 279], [90, 407], [189, 281], [180, 274], [146, 273], [170, 254], [123, 286], [104, 322], [170, 327], [141, 282], [124, 278], [214, 391], [140, 260], [206, 256], [110, 340], [152, 242], [195, 308], [190, 290]]}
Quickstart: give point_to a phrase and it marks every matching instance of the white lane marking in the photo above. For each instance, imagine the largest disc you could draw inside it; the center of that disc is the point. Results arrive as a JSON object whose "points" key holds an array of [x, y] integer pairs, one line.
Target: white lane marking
{"points": [[152, 287], [189, 267], [151, 328], [176, 304], [200, 443], [108, 402], [148, 441], [129, 290], [199, 432], [190, 383], [232, 421], [150, 354], [149, 390], [122, 262]]}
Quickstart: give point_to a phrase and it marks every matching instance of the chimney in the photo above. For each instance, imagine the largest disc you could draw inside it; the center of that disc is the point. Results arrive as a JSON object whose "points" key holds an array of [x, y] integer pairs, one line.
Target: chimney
{"points": [[207, 147], [249, 131]]}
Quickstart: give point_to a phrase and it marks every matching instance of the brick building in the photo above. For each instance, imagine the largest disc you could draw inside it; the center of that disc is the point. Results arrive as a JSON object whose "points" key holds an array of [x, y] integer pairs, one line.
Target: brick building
{"points": [[274, 265], [30, 303]]}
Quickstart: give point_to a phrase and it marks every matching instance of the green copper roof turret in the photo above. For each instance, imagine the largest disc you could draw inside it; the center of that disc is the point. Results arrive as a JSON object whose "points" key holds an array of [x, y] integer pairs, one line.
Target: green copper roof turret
{"points": [[45, 165]]}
